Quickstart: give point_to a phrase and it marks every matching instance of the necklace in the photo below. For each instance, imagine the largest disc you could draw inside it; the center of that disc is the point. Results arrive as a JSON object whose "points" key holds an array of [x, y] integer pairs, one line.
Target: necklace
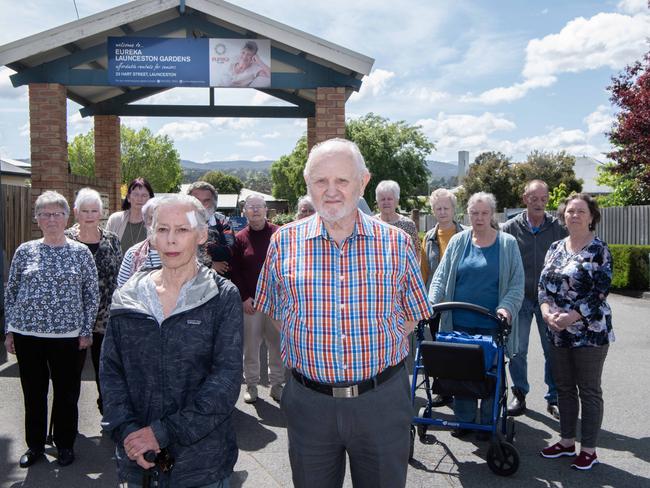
{"points": [[137, 236]]}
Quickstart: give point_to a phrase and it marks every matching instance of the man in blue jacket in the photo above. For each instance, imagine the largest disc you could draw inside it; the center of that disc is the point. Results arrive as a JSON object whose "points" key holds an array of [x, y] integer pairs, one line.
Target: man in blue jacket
{"points": [[535, 231]]}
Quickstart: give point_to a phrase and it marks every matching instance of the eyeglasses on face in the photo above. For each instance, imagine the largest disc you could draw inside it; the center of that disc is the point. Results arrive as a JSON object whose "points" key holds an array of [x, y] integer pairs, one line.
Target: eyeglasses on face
{"points": [[50, 215]]}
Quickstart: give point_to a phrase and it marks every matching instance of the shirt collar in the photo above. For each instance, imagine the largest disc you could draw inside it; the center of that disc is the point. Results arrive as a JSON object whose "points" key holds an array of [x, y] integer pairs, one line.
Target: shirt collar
{"points": [[362, 226]]}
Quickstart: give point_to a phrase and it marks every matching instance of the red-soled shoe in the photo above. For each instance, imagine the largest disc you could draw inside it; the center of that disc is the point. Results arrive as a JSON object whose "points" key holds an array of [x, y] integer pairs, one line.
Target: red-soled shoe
{"points": [[558, 450], [585, 461]]}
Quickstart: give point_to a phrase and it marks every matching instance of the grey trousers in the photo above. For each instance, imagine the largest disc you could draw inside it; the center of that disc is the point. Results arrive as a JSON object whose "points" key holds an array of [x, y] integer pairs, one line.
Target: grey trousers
{"points": [[373, 429], [577, 372]]}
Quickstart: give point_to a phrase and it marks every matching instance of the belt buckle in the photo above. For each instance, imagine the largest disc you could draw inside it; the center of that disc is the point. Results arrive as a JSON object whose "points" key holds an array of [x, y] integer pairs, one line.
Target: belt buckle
{"points": [[345, 391]]}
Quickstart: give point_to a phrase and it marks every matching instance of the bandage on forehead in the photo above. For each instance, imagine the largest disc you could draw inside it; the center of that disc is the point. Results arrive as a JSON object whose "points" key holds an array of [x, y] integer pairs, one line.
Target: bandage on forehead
{"points": [[191, 218]]}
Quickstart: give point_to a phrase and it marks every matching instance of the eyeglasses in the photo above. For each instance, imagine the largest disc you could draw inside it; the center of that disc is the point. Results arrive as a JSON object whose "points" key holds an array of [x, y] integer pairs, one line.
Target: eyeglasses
{"points": [[49, 215]]}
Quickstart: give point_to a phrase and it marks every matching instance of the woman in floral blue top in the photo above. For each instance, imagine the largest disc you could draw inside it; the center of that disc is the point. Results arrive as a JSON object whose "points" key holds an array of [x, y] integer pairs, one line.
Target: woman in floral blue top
{"points": [[51, 301], [573, 289]]}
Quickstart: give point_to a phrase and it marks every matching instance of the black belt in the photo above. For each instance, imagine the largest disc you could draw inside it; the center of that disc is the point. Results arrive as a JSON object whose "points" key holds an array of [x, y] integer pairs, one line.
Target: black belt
{"points": [[349, 391]]}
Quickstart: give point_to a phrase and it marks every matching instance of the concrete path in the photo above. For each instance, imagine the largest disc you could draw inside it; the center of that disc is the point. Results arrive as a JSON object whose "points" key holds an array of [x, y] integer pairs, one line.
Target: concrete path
{"points": [[624, 447]]}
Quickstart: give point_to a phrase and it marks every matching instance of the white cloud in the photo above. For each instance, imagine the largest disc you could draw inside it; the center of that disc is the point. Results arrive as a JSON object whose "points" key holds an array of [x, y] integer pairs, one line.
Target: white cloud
{"points": [[424, 94], [78, 124], [373, 84], [7, 90], [190, 130], [600, 121], [250, 143], [633, 6], [135, 123], [271, 135], [459, 126], [261, 157], [605, 40], [233, 123]]}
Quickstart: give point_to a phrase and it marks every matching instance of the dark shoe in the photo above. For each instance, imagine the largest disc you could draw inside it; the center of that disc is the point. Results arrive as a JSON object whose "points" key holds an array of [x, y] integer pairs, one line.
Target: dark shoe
{"points": [[585, 461], [553, 409], [65, 457], [441, 400], [558, 450], [460, 433], [30, 457], [518, 404]]}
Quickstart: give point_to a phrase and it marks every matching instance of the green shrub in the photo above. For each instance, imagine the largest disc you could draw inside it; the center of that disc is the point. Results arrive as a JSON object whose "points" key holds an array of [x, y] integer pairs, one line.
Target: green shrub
{"points": [[284, 218], [631, 267]]}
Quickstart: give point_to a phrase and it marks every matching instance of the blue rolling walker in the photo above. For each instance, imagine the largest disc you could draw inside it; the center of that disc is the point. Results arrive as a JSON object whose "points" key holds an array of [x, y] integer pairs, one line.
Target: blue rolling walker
{"points": [[463, 365]]}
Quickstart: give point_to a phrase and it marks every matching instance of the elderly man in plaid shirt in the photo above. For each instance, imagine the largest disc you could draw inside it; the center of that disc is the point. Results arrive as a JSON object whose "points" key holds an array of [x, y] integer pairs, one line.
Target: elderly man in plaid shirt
{"points": [[345, 291]]}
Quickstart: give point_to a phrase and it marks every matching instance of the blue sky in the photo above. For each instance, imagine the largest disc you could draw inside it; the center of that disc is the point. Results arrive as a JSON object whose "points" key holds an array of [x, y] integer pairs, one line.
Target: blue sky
{"points": [[501, 75]]}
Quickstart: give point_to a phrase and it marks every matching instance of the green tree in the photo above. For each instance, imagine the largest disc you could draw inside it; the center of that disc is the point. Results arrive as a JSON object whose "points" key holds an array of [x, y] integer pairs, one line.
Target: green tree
{"points": [[393, 151], [81, 154], [222, 182], [287, 173], [552, 168], [627, 189], [143, 155], [556, 195], [491, 172]]}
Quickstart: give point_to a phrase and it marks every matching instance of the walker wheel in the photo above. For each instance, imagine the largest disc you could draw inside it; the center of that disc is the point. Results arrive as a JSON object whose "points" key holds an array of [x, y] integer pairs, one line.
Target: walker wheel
{"points": [[503, 459], [424, 412]]}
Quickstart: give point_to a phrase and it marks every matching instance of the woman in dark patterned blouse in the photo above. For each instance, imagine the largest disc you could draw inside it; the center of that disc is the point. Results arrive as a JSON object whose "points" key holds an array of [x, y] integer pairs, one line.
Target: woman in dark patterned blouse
{"points": [[105, 246], [51, 302], [573, 289]]}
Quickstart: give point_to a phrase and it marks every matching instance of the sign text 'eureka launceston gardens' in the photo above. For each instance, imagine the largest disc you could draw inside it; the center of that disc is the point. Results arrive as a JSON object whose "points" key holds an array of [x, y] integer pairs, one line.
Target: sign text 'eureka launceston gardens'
{"points": [[173, 62]]}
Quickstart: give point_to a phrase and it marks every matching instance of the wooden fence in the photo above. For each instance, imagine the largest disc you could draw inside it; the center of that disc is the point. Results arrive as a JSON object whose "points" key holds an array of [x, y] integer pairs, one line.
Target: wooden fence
{"points": [[16, 223], [618, 225]]}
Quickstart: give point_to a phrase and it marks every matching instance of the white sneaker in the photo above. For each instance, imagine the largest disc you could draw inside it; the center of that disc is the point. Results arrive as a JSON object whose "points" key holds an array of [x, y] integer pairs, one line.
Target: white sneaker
{"points": [[276, 392], [250, 395]]}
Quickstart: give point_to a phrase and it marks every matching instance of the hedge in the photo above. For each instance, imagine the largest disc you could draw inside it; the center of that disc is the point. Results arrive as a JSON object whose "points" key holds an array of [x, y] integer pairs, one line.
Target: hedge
{"points": [[631, 267]]}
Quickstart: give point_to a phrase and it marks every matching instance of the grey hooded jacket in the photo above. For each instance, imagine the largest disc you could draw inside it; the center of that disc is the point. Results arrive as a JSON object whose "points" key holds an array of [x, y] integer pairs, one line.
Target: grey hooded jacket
{"points": [[533, 247], [182, 377]]}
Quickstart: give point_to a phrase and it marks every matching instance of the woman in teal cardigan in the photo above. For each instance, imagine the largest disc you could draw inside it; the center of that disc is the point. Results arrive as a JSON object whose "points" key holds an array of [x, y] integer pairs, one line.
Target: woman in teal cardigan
{"points": [[481, 266]]}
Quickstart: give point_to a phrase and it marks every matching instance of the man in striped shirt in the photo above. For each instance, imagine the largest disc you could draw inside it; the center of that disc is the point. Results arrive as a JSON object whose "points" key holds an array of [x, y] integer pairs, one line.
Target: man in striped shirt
{"points": [[345, 291]]}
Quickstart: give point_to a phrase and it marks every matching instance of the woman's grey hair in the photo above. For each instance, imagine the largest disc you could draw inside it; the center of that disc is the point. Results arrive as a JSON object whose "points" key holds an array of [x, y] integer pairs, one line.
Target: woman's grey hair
{"points": [[199, 219], [51, 198], [442, 193], [148, 209], [305, 199], [488, 198], [332, 145], [386, 186], [88, 195]]}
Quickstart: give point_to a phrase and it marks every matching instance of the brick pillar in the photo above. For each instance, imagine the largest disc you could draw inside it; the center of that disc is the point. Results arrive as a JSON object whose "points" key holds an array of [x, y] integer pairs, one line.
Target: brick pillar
{"points": [[311, 133], [330, 114], [108, 166], [48, 132]]}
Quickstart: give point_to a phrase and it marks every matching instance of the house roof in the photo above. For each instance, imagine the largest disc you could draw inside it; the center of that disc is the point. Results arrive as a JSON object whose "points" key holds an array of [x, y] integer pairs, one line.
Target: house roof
{"points": [[81, 44], [586, 168], [9, 168]]}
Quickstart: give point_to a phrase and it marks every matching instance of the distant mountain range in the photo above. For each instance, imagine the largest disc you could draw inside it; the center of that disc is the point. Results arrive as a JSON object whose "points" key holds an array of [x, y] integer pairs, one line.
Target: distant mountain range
{"points": [[438, 169]]}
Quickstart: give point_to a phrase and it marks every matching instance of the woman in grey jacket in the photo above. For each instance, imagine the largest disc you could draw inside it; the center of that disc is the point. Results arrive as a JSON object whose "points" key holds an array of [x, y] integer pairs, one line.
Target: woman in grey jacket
{"points": [[481, 266], [171, 364]]}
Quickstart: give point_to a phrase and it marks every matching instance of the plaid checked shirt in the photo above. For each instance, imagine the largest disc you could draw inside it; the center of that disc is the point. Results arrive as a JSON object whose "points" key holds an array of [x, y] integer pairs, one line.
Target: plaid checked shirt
{"points": [[343, 309]]}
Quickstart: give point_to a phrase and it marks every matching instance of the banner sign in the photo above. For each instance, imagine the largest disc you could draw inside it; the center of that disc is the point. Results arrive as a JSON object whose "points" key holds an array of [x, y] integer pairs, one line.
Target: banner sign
{"points": [[173, 62]]}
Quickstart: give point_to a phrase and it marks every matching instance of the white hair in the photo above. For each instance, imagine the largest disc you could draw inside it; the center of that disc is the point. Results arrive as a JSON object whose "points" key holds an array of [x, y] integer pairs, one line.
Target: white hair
{"points": [[488, 198], [386, 186], [442, 193], [88, 195], [51, 197], [305, 199], [197, 217], [336, 144], [148, 208]]}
